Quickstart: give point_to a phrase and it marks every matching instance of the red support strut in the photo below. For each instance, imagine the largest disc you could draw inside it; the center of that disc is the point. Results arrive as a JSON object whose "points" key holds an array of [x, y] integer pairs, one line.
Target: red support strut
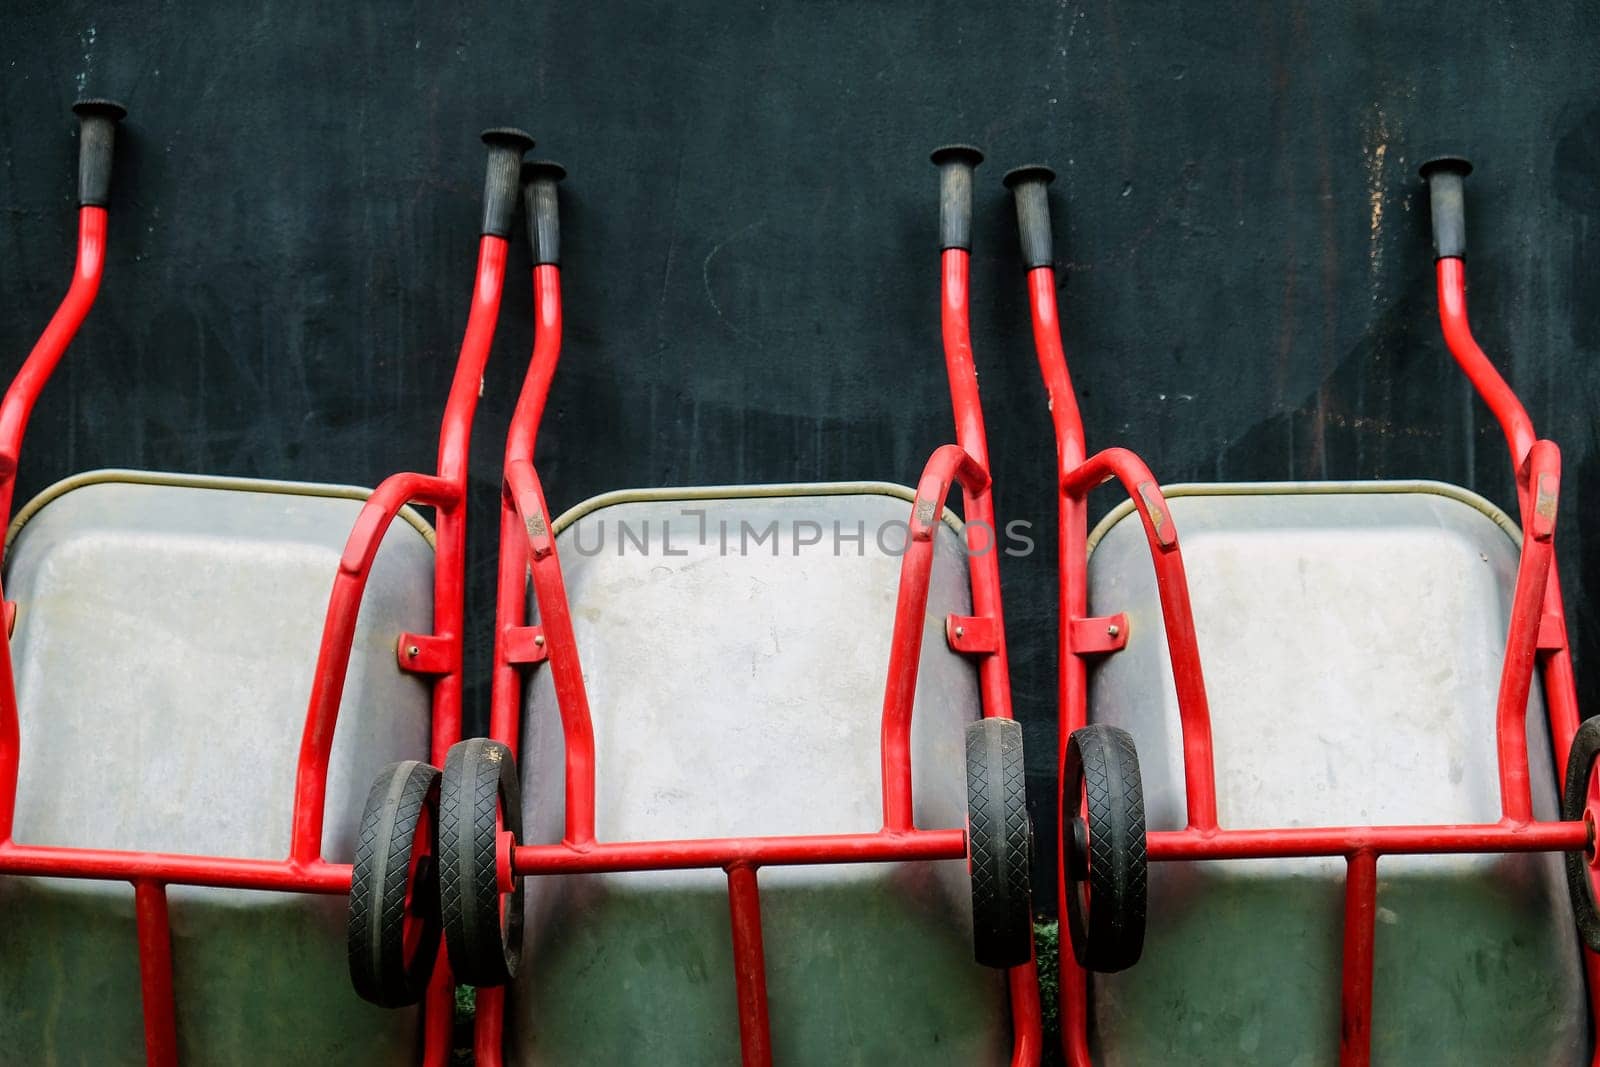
{"points": [[749, 966], [155, 974]]}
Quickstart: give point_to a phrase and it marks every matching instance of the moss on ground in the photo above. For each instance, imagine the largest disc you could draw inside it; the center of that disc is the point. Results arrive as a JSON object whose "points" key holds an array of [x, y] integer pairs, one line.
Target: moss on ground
{"points": [[1047, 953]]}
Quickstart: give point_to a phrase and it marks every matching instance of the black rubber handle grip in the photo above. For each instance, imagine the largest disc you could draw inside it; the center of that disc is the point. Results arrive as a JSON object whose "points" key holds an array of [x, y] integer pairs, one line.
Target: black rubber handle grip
{"points": [[97, 136], [1029, 186], [956, 163], [543, 208], [1447, 203], [506, 148]]}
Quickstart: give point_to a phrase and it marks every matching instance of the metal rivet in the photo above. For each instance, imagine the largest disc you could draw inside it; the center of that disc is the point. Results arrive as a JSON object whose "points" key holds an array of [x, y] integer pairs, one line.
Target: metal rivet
{"points": [[413, 650], [1113, 630], [961, 631], [539, 640]]}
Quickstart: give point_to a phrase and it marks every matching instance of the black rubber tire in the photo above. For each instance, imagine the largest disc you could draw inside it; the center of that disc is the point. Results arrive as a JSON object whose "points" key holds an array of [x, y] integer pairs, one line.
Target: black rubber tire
{"points": [[999, 844], [1103, 764], [385, 844], [484, 938], [1574, 799]]}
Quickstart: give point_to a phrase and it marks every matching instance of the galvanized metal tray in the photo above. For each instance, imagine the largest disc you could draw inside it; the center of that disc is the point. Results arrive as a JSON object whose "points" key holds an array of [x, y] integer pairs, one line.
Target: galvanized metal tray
{"points": [[1351, 635], [737, 689], [166, 631]]}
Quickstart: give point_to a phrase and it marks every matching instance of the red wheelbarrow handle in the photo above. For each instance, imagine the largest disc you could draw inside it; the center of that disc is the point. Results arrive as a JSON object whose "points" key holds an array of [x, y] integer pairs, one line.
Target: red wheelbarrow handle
{"points": [[97, 131]]}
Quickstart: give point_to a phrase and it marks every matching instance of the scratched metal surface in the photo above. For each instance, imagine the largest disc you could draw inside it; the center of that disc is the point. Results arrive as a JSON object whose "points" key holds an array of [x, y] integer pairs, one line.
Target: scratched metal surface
{"points": [[751, 231], [737, 689], [1352, 644], [164, 647]]}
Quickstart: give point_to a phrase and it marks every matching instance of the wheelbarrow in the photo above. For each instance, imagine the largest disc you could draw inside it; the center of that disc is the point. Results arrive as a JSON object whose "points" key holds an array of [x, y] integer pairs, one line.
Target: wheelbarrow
{"points": [[701, 821], [1355, 636], [162, 637]]}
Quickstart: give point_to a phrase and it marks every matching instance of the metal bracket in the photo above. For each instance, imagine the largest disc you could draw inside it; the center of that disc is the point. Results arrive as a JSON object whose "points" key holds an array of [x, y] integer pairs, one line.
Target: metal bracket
{"points": [[1099, 635], [427, 654], [526, 644], [1552, 634], [972, 635]]}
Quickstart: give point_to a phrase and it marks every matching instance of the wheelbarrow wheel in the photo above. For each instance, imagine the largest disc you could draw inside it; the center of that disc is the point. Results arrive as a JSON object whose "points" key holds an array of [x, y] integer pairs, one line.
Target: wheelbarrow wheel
{"points": [[393, 926], [999, 844], [1574, 807], [1103, 843], [479, 799]]}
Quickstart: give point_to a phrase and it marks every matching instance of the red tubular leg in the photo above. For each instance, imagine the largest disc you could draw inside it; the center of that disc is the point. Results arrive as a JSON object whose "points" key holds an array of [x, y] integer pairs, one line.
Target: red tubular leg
{"points": [[572, 699], [949, 464], [52, 344], [439, 1014], [749, 966], [1172, 585], [1355, 1006], [155, 974], [1027, 1023], [488, 1028], [983, 539], [1074, 1009]]}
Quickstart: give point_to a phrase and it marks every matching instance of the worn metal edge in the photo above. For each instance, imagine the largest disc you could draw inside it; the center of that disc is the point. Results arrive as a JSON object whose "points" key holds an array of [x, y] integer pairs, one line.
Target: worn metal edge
{"points": [[742, 492], [1423, 486], [204, 481]]}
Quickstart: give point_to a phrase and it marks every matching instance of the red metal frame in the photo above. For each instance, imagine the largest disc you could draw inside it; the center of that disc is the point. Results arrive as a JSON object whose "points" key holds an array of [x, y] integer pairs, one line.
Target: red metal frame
{"points": [[1536, 638], [527, 545], [304, 870]]}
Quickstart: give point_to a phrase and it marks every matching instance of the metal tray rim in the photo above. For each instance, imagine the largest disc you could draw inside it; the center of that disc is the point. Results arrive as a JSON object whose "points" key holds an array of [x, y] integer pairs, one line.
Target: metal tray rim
{"points": [[1399, 486], [742, 492], [203, 481]]}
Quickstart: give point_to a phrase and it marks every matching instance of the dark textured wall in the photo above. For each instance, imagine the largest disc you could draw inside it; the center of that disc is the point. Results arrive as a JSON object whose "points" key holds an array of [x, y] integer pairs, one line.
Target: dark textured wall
{"points": [[751, 242]]}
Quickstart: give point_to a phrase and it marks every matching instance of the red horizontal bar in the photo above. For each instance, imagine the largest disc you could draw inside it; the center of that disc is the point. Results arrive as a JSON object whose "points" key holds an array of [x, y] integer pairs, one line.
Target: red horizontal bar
{"points": [[175, 869], [1165, 845], [751, 851]]}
